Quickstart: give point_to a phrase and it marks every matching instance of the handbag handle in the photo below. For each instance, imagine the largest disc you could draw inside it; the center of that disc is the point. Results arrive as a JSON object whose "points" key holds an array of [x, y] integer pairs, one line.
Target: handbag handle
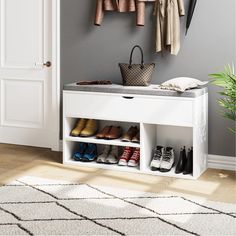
{"points": [[131, 57]]}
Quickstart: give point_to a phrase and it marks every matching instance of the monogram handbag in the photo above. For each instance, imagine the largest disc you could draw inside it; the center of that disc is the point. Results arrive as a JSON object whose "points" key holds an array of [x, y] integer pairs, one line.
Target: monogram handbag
{"points": [[136, 74]]}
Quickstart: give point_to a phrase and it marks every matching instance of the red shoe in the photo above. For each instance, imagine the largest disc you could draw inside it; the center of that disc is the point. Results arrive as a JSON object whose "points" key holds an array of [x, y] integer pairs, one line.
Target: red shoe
{"points": [[127, 154], [134, 160]]}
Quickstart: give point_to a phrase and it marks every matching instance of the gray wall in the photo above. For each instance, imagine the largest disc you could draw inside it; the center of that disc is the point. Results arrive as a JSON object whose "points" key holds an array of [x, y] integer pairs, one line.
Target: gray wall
{"points": [[91, 52]]}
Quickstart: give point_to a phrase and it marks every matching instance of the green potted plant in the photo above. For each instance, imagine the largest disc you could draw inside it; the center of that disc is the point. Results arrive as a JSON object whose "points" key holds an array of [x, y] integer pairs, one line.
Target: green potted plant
{"points": [[227, 80]]}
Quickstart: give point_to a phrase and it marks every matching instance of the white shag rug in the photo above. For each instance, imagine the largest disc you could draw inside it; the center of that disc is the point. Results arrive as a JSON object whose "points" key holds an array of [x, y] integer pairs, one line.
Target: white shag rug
{"points": [[35, 206]]}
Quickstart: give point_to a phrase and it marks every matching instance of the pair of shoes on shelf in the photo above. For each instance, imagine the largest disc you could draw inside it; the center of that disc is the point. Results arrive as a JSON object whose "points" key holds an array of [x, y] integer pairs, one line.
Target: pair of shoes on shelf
{"points": [[132, 135], [185, 162], [85, 128], [86, 152], [110, 132], [109, 155], [163, 159], [130, 157]]}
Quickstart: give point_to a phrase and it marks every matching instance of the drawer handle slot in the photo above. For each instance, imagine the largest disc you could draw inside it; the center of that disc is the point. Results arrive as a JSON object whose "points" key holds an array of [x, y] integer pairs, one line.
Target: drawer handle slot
{"points": [[125, 97]]}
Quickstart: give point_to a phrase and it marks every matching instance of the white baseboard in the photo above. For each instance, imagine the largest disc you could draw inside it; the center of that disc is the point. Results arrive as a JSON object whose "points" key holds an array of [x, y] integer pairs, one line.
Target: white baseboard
{"points": [[222, 162], [214, 161]]}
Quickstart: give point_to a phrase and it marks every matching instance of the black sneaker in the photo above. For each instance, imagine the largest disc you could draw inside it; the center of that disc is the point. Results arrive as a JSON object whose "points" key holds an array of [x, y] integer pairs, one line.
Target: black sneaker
{"points": [[167, 160]]}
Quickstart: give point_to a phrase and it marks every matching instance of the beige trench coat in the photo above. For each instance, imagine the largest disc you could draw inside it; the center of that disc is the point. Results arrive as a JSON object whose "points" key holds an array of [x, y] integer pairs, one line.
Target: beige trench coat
{"points": [[121, 6], [168, 13]]}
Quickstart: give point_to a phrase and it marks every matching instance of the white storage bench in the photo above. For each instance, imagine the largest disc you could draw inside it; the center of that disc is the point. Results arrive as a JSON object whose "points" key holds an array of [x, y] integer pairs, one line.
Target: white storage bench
{"points": [[165, 118]]}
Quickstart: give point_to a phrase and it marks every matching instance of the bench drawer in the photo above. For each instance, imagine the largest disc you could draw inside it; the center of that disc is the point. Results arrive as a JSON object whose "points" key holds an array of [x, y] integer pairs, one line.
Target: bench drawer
{"points": [[159, 110]]}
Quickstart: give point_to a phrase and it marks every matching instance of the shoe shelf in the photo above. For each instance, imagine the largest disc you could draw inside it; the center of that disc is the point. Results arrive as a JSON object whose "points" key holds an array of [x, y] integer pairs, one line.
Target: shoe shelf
{"points": [[171, 173], [93, 139], [166, 121], [94, 164], [71, 121]]}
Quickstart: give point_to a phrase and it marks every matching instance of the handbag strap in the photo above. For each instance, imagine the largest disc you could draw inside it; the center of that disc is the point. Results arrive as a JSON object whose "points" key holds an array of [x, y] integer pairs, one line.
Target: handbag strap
{"points": [[131, 56]]}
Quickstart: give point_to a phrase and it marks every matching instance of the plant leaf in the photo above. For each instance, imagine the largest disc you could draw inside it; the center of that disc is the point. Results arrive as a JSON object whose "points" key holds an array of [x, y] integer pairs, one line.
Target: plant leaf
{"points": [[226, 80]]}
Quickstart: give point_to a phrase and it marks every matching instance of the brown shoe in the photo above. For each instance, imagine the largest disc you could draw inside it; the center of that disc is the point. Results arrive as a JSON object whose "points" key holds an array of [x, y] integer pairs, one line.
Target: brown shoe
{"points": [[136, 138], [105, 131], [114, 133], [133, 130]]}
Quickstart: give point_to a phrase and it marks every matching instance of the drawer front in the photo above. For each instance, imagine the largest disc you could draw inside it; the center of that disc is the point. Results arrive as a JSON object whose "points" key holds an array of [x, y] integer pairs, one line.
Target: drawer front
{"points": [[166, 111]]}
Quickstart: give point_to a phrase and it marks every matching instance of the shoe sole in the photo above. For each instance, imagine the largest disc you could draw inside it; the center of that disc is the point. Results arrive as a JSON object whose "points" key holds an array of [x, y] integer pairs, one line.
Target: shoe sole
{"points": [[100, 162], [126, 140], [122, 164], [85, 136], [72, 135], [164, 170], [110, 163], [133, 165], [154, 169], [111, 138], [86, 160], [187, 173]]}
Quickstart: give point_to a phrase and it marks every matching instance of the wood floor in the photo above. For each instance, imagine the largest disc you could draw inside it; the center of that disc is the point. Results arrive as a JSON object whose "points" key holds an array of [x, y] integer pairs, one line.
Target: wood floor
{"points": [[18, 161]]}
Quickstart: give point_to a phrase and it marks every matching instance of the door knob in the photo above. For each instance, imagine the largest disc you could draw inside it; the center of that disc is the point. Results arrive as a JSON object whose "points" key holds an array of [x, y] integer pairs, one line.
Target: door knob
{"points": [[41, 65], [47, 64]]}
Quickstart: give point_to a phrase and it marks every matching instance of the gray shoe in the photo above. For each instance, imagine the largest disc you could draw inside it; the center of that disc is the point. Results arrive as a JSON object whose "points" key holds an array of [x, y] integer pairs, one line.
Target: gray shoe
{"points": [[103, 156], [113, 156]]}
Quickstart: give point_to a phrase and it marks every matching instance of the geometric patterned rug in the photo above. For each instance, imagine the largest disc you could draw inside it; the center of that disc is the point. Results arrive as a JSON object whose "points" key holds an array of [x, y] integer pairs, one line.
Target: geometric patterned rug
{"points": [[36, 206]]}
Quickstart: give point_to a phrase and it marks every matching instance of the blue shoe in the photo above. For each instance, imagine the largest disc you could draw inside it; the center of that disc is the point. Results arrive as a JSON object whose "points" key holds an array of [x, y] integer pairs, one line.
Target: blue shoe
{"points": [[90, 153], [78, 155]]}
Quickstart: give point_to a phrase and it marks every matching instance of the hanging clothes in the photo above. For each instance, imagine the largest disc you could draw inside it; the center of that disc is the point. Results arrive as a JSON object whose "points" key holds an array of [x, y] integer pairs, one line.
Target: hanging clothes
{"points": [[137, 6], [168, 13]]}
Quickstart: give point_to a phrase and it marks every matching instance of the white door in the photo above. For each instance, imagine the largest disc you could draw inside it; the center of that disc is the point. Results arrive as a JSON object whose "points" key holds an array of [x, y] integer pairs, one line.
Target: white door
{"points": [[26, 110]]}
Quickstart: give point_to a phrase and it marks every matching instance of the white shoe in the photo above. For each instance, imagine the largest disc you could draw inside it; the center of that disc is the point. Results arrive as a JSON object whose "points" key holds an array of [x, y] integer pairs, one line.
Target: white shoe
{"points": [[157, 158], [167, 160]]}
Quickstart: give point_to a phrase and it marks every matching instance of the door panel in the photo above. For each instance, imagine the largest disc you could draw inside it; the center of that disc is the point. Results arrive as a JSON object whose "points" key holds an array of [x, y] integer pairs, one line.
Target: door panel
{"points": [[21, 33], [26, 84], [24, 109]]}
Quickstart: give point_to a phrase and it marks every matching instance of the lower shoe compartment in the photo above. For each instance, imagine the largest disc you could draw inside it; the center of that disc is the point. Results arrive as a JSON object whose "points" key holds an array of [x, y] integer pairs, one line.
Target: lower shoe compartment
{"points": [[175, 137], [73, 147], [151, 135]]}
